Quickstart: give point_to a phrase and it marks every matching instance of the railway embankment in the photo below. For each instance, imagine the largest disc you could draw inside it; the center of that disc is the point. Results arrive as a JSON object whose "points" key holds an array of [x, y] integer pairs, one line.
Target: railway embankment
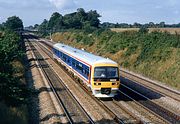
{"points": [[155, 55]]}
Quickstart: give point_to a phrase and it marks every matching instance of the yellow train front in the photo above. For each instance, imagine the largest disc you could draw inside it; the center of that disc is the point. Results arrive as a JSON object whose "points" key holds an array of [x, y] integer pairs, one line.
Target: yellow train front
{"points": [[105, 79], [100, 74]]}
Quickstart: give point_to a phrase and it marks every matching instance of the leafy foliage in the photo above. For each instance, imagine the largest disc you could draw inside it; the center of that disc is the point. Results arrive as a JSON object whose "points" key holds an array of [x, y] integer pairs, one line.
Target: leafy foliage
{"points": [[43, 28], [143, 29], [14, 23], [77, 20], [138, 25], [11, 89]]}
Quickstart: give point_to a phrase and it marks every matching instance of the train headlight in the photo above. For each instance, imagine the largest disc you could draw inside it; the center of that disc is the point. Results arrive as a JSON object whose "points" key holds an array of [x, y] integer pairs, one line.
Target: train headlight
{"points": [[97, 84], [115, 83]]}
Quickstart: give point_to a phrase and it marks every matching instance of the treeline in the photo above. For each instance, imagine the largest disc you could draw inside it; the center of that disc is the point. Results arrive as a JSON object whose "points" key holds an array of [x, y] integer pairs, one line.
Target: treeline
{"points": [[12, 91], [138, 25], [88, 21], [76, 20], [13, 23]]}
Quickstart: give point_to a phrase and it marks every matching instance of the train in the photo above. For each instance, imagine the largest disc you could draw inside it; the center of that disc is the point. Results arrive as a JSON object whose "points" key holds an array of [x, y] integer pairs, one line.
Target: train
{"points": [[100, 75]]}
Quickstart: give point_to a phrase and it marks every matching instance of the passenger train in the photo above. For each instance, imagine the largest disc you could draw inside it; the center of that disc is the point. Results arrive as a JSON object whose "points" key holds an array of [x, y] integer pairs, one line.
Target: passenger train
{"points": [[101, 75]]}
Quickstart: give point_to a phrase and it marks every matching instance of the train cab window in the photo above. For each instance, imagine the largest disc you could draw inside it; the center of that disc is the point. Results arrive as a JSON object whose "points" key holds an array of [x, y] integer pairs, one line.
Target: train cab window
{"points": [[100, 72], [112, 72], [106, 72]]}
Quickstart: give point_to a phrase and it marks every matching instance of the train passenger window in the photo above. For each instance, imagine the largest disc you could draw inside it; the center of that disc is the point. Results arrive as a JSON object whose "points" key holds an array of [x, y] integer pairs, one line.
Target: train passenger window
{"points": [[73, 63], [64, 57], [87, 72], [79, 67], [58, 53]]}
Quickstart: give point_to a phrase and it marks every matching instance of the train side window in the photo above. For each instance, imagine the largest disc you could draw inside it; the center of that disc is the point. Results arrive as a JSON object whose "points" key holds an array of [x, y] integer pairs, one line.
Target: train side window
{"points": [[59, 53], [87, 72], [79, 66], [68, 60], [73, 63], [64, 57]]}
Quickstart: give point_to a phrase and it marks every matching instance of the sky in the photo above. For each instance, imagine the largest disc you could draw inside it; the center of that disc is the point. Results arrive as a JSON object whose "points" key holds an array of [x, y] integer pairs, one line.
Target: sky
{"points": [[115, 11]]}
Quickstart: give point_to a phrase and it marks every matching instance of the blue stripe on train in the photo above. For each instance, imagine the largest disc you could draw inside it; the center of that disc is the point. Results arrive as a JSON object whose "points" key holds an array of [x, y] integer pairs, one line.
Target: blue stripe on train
{"points": [[75, 64]]}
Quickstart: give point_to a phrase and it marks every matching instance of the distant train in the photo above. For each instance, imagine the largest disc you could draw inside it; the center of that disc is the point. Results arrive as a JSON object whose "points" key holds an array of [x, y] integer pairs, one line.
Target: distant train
{"points": [[101, 75]]}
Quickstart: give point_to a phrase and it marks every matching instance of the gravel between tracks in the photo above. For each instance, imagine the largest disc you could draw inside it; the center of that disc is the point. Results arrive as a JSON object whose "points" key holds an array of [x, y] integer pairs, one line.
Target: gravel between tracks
{"points": [[43, 106]]}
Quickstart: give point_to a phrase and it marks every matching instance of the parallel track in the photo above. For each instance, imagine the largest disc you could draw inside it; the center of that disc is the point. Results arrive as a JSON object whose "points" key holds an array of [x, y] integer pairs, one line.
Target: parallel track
{"points": [[151, 85], [52, 79], [159, 111]]}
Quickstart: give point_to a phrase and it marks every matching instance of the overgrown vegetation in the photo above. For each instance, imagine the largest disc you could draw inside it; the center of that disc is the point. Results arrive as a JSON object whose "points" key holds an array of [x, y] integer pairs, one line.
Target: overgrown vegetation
{"points": [[13, 90], [156, 54]]}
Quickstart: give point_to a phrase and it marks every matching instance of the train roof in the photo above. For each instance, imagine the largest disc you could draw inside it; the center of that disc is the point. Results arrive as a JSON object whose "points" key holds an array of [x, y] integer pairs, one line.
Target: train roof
{"points": [[83, 55]]}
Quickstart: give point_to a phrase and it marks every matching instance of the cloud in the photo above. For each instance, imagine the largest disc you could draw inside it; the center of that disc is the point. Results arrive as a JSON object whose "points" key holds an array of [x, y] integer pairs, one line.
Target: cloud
{"points": [[173, 2], [158, 7], [176, 12], [24, 4], [63, 4]]}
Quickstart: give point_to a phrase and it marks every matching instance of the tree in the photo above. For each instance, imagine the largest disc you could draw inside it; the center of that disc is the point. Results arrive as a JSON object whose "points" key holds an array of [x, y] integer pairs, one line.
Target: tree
{"points": [[56, 21], [162, 24], [136, 25], [82, 15], [92, 18], [143, 29], [151, 25], [12, 91], [1, 27], [43, 27], [14, 23], [36, 26], [72, 21]]}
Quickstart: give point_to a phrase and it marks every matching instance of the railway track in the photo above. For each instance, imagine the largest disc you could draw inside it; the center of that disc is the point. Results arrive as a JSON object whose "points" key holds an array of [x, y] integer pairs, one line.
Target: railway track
{"points": [[160, 112], [71, 107], [157, 110], [165, 91]]}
